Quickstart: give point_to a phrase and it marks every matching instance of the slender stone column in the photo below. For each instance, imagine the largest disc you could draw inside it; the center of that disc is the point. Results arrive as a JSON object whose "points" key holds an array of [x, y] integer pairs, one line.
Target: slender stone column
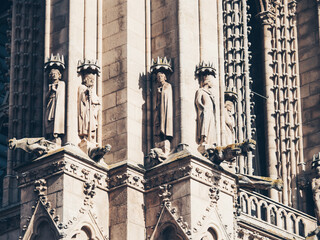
{"points": [[270, 123]]}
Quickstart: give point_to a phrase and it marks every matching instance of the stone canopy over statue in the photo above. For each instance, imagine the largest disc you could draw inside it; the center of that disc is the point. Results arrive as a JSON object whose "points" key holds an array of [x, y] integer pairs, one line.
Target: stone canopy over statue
{"points": [[163, 104], [55, 99], [206, 133]]}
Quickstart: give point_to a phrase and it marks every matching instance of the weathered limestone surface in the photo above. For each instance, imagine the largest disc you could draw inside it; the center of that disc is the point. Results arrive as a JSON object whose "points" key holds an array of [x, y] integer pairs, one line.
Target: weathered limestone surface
{"points": [[308, 33], [123, 81]]}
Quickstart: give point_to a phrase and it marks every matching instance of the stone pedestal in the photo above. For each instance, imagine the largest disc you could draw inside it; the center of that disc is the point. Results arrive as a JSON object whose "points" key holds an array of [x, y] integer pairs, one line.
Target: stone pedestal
{"points": [[187, 197], [65, 192]]}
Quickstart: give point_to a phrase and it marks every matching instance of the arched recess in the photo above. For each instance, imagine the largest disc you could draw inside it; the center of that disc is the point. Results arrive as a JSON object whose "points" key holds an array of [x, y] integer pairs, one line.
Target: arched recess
{"points": [[211, 234], [169, 231], [43, 230]]}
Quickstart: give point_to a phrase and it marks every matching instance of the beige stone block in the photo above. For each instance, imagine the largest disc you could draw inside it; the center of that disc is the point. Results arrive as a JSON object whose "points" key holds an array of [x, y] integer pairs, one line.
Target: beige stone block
{"points": [[114, 84], [109, 130], [152, 199], [118, 232], [118, 215], [118, 197], [113, 55], [157, 29], [151, 215], [121, 96], [59, 198], [116, 113], [55, 184], [158, 14], [304, 90], [120, 155], [310, 101], [108, 158], [115, 40], [113, 27], [112, 13], [121, 126], [28, 194], [119, 141], [109, 101], [135, 231], [309, 63], [114, 69]]}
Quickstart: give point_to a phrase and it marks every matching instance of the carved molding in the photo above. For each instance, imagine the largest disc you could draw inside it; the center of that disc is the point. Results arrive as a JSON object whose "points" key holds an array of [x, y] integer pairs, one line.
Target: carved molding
{"points": [[166, 208]]}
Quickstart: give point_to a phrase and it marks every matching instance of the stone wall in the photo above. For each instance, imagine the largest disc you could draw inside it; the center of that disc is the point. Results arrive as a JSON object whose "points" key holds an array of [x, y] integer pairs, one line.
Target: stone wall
{"points": [[309, 59]]}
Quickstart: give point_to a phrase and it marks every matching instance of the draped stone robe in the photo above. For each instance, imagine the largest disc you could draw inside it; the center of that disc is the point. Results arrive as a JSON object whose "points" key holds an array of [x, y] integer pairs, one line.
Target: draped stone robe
{"points": [[163, 113], [206, 117], [88, 113], [55, 110]]}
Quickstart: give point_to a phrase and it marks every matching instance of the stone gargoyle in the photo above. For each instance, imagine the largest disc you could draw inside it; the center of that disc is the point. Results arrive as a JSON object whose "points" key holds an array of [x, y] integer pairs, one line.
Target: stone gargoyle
{"points": [[258, 182], [38, 146], [155, 157], [97, 153], [230, 152]]}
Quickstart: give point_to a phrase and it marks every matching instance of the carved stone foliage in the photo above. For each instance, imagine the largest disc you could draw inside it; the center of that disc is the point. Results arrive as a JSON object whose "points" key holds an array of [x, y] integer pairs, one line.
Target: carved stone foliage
{"points": [[89, 191], [37, 146], [168, 177], [129, 178], [40, 187], [48, 170]]}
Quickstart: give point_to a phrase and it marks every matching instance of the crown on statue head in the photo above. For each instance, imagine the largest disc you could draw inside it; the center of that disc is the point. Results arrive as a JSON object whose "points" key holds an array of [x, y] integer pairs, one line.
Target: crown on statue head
{"points": [[161, 64], [54, 62], [88, 66], [205, 69]]}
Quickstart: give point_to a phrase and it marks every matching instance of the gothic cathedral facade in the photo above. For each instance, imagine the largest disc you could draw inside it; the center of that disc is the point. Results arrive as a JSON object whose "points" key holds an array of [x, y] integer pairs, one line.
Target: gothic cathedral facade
{"points": [[159, 119]]}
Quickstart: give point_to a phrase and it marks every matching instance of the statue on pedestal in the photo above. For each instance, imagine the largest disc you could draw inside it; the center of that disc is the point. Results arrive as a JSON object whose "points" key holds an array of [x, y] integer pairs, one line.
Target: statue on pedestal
{"points": [[88, 111], [205, 106], [55, 99], [163, 104], [89, 102], [230, 100]]}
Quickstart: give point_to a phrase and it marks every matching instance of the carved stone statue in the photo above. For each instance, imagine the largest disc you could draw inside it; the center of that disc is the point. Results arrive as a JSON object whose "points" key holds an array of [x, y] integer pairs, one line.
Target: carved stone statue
{"points": [[205, 107], [88, 108], [55, 99], [163, 121], [38, 146], [316, 185], [88, 111], [229, 121], [163, 104]]}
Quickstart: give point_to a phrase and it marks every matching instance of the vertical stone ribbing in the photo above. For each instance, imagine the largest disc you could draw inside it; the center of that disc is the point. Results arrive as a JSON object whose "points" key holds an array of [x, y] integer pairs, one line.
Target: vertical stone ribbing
{"points": [[283, 106], [237, 78]]}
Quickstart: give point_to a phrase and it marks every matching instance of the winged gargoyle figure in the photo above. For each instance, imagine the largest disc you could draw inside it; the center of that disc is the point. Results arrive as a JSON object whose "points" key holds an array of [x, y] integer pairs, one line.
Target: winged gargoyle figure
{"points": [[38, 146]]}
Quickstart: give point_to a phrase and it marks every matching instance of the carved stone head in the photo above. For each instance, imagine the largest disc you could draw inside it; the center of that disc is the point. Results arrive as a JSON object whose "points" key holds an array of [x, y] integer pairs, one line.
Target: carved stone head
{"points": [[88, 80], [229, 106], [206, 80], [161, 78], [54, 75]]}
